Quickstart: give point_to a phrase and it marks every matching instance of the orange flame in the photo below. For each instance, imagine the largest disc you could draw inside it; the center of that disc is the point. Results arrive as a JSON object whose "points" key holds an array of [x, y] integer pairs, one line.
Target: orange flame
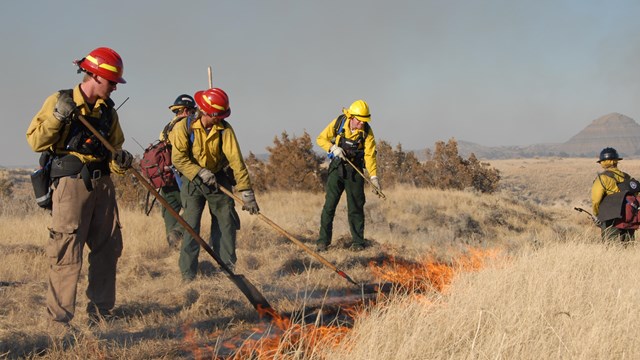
{"points": [[282, 322], [428, 274], [284, 338], [200, 351]]}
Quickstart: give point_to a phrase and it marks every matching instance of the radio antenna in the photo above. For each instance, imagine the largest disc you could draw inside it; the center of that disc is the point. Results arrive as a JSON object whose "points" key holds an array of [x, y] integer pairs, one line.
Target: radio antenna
{"points": [[125, 100]]}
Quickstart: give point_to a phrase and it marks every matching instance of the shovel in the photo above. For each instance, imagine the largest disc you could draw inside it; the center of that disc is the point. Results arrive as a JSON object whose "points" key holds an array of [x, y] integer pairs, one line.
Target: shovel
{"points": [[246, 287]]}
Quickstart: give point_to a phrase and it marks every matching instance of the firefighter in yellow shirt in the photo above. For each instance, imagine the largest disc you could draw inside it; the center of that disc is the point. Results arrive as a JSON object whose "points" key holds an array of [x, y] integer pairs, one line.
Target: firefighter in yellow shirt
{"points": [[84, 204], [204, 148], [605, 184], [349, 136]]}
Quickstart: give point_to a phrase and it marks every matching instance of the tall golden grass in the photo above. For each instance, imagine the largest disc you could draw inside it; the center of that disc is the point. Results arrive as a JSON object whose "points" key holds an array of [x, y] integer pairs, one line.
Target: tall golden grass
{"points": [[556, 291], [571, 300]]}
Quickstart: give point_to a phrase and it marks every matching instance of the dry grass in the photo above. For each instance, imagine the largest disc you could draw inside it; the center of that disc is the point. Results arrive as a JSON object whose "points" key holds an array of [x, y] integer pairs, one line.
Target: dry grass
{"points": [[575, 300], [556, 292]]}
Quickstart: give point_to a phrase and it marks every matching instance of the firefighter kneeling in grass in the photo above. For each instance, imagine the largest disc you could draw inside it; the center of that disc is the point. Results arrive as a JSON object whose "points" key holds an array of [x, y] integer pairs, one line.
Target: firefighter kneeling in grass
{"points": [[348, 137], [614, 191], [204, 148]]}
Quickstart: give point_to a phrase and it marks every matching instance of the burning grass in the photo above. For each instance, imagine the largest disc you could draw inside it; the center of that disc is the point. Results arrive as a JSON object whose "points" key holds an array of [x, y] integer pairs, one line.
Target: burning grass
{"points": [[429, 274], [301, 335]]}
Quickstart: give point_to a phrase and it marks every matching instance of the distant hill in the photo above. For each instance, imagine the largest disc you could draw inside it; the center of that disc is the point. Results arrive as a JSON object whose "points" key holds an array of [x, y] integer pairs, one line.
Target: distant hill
{"points": [[615, 130]]}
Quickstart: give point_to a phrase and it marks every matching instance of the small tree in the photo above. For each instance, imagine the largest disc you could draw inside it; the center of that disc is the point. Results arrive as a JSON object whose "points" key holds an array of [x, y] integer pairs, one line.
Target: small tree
{"points": [[483, 177], [410, 170], [448, 166], [448, 170], [397, 166], [293, 165]]}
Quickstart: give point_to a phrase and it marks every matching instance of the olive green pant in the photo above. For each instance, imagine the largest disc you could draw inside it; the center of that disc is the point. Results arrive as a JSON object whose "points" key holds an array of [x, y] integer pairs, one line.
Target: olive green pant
{"points": [[82, 217], [172, 195], [612, 233], [343, 178], [224, 223]]}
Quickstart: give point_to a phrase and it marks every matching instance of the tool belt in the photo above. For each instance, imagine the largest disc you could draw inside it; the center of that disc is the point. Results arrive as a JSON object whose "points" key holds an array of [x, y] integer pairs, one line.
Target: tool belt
{"points": [[71, 166]]}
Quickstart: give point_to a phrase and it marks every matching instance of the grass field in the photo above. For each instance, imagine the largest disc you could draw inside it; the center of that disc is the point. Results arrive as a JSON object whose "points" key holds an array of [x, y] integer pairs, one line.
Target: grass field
{"points": [[517, 275]]}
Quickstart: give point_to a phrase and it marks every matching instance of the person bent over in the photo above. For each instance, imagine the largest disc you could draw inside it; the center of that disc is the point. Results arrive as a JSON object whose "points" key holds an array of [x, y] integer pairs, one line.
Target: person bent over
{"points": [[348, 138], [207, 154]]}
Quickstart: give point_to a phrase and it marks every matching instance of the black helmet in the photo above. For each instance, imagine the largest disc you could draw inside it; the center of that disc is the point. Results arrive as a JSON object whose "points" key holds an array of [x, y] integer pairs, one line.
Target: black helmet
{"points": [[609, 154], [183, 100]]}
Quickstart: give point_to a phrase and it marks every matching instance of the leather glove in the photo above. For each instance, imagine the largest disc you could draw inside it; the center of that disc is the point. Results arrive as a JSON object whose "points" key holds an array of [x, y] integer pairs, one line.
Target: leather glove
{"points": [[376, 182], [208, 177], [123, 159], [249, 202], [64, 108], [336, 151]]}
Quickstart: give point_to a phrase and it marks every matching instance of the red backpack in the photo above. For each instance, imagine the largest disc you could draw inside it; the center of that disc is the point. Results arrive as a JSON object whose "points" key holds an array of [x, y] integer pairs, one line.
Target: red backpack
{"points": [[622, 207], [630, 216], [156, 166]]}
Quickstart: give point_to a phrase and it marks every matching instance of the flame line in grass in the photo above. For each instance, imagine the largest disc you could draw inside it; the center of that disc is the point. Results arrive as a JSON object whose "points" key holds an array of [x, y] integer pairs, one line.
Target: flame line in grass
{"points": [[326, 326]]}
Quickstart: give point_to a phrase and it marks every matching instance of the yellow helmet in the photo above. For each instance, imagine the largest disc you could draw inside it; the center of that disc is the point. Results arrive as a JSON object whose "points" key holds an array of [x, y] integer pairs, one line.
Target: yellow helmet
{"points": [[360, 110]]}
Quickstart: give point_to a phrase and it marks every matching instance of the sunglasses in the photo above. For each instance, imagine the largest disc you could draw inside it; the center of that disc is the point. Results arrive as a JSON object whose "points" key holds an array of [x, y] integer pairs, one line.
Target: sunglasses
{"points": [[112, 83]]}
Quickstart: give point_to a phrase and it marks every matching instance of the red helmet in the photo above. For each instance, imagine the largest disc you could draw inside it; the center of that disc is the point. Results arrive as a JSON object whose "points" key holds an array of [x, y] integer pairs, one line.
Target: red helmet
{"points": [[103, 62], [213, 102]]}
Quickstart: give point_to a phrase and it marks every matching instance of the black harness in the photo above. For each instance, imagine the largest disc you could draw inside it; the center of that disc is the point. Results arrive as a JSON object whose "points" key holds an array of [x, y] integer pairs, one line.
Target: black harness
{"points": [[354, 149], [81, 140]]}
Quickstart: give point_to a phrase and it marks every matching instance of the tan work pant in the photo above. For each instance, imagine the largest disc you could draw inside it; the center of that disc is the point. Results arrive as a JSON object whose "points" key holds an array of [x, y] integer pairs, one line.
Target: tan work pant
{"points": [[81, 217]]}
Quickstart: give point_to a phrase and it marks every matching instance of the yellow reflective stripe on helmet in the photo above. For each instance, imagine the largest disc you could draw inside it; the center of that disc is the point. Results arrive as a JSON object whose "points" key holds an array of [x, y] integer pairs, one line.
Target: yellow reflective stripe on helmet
{"points": [[103, 65], [215, 106]]}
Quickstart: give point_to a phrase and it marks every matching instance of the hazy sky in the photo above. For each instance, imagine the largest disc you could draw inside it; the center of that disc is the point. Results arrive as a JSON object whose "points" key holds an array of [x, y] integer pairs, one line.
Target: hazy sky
{"points": [[492, 72]]}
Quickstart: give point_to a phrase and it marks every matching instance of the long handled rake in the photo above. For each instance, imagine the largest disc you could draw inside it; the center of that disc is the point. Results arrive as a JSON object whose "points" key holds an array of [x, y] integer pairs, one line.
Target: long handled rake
{"points": [[294, 240], [252, 294]]}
